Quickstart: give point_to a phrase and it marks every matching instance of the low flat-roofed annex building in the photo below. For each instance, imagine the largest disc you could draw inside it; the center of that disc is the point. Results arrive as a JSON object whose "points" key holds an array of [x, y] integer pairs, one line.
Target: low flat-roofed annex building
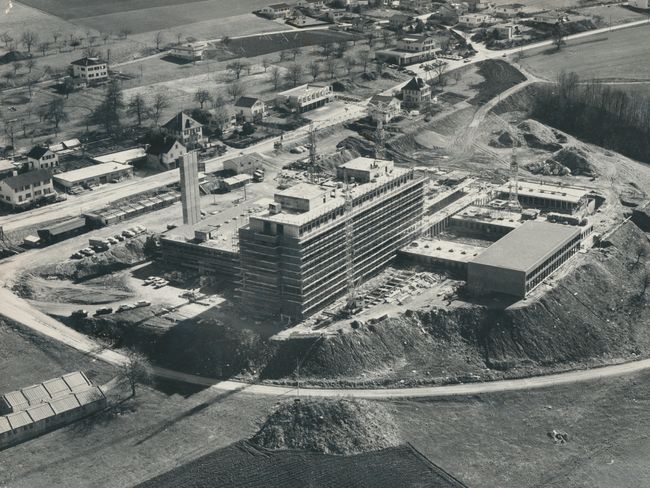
{"points": [[94, 175], [306, 97], [550, 196], [515, 264]]}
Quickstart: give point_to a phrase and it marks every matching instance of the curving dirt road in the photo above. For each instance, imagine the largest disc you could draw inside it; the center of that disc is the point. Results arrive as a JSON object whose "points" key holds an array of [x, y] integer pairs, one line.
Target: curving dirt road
{"points": [[23, 312]]}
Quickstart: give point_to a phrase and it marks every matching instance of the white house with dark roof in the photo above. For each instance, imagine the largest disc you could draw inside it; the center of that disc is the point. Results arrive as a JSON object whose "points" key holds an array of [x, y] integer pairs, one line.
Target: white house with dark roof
{"points": [[250, 109], [416, 93], [166, 153], [24, 189], [90, 70], [40, 157], [277, 10], [185, 129]]}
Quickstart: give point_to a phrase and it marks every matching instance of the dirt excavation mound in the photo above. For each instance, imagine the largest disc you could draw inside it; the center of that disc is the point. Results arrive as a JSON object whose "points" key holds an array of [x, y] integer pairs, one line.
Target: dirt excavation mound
{"points": [[596, 314], [502, 139], [357, 145], [329, 426], [538, 136], [549, 167], [576, 160]]}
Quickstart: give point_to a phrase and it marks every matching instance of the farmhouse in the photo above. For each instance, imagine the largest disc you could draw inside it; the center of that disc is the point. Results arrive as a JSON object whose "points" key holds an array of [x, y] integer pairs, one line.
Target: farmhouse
{"points": [[416, 93], [23, 190], [90, 70], [305, 97], [250, 109], [94, 175], [40, 157], [185, 129], [246, 163], [277, 11], [166, 153]]}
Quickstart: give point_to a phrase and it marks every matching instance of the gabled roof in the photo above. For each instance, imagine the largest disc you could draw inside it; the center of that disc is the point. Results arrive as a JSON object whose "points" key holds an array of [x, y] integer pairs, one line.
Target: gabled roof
{"points": [[180, 122], [37, 152], [382, 99], [88, 62], [246, 102], [162, 147], [280, 6], [414, 84], [28, 178]]}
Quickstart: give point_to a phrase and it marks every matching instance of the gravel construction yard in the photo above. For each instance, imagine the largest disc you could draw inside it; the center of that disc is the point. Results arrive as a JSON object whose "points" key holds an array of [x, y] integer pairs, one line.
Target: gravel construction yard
{"points": [[617, 56]]}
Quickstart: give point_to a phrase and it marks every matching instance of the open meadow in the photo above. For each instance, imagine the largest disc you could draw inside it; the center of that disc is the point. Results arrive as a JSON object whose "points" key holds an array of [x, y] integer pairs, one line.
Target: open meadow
{"points": [[617, 56]]}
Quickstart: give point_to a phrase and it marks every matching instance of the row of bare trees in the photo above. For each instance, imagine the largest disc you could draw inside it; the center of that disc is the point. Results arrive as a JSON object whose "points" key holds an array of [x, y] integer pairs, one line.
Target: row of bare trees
{"points": [[597, 113]]}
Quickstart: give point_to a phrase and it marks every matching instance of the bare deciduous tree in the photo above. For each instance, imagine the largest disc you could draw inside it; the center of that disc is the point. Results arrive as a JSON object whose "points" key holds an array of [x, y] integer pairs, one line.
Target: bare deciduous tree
{"points": [[137, 107], [331, 66], [294, 74], [159, 105], [314, 69], [266, 63], [202, 96], [135, 371], [236, 67], [235, 90], [158, 39], [275, 76], [29, 38]]}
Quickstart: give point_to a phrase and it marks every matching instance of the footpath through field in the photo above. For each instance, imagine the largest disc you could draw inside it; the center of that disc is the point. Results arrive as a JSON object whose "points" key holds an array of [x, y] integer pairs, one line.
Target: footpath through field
{"points": [[21, 311]]}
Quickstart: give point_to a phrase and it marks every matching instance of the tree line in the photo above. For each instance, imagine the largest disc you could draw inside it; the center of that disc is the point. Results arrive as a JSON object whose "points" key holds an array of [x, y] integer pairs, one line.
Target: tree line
{"points": [[596, 113]]}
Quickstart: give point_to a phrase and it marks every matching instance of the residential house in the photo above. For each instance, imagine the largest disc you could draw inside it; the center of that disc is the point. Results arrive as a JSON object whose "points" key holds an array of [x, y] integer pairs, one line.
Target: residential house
{"points": [[250, 109], [25, 189], [190, 51], [311, 4], [401, 22], [417, 5], [504, 31], [411, 49], [364, 25], [40, 157], [508, 11], [306, 97], [445, 14], [222, 119], [166, 152], [384, 108], [416, 93], [90, 70], [476, 20], [277, 11], [185, 129]]}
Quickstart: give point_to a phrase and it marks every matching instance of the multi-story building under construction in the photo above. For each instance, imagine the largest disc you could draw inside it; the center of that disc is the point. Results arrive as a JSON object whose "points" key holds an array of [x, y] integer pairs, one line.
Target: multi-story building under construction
{"points": [[314, 243]]}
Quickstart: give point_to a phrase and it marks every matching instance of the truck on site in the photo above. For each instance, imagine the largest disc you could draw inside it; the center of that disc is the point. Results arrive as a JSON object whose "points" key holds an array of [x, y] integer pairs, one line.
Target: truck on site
{"points": [[258, 175], [99, 244]]}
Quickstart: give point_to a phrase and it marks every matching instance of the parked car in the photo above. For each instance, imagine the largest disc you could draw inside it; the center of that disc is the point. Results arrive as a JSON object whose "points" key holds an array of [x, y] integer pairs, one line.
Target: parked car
{"points": [[76, 255], [103, 311], [86, 251], [112, 240], [79, 313], [141, 303], [124, 307], [128, 234], [118, 237]]}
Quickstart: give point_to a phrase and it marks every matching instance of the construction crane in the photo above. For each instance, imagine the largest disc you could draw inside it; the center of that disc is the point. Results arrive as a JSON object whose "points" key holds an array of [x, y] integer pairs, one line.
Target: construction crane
{"points": [[313, 154], [513, 185], [351, 302], [379, 110]]}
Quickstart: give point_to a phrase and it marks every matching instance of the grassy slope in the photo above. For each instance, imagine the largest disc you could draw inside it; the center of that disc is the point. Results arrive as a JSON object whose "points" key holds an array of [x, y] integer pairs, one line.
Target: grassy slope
{"points": [[500, 441], [27, 358], [614, 56]]}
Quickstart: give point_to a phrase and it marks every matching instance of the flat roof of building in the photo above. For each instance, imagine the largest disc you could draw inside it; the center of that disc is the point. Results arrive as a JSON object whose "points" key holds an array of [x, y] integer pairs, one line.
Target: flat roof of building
{"points": [[122, 157], [335, 200], [6, 164], [89, 172], [303, 191], [443, 250], [504, 218], [303, 89], [526, 247], [365, 164], [548, 191]]}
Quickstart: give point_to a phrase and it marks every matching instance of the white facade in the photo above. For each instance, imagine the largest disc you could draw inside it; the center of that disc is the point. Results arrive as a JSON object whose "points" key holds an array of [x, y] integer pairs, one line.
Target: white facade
{"points": [[191, 51], [90, 69], [644, 4], [306, 97], [24, 189]]}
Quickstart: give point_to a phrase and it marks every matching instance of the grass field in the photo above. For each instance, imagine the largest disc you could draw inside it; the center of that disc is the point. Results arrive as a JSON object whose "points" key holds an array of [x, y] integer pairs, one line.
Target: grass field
{"points": [[613, 56], [143, 15]]}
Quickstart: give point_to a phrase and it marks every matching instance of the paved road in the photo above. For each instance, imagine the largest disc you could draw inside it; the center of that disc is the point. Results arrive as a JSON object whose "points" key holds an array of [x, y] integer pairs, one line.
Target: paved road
{"points": [[23, 312]]}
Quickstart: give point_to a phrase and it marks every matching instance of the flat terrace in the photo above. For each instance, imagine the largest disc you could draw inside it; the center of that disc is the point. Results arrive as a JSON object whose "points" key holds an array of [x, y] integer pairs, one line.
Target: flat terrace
{"points": [[548, 191]]}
